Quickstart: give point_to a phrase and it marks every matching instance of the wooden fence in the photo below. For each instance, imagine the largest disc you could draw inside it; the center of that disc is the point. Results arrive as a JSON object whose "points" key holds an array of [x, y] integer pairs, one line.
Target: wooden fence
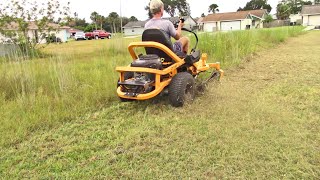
{"points": [[276, 23]]}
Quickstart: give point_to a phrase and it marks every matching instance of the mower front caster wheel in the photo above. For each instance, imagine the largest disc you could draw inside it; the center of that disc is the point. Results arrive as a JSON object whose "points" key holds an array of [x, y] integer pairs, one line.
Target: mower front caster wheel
{"points": [[181, 89]]}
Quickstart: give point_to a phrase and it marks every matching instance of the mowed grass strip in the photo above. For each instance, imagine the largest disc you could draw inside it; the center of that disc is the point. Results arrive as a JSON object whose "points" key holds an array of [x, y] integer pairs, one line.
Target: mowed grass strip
{"points": [[77, 78]]}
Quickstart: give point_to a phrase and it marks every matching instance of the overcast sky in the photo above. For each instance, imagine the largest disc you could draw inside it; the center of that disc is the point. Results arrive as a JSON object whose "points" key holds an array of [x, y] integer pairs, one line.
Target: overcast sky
{"points": [[136, 7]]}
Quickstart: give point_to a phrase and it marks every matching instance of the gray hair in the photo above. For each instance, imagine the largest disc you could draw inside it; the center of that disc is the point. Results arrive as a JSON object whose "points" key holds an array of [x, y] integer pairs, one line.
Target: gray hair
{"points": [[155, 6]]}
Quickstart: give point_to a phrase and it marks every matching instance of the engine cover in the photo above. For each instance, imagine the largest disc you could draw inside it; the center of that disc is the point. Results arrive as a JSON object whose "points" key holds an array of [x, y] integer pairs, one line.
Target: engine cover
{"points": [[148, 61]]}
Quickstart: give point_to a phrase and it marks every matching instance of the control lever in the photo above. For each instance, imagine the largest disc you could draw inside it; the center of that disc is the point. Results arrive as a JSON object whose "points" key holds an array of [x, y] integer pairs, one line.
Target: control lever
{"points": [[176, 24]]}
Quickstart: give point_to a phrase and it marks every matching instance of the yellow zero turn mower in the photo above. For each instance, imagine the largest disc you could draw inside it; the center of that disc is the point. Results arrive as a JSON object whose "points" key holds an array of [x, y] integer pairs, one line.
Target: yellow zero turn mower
{"points": [[161, 70]]}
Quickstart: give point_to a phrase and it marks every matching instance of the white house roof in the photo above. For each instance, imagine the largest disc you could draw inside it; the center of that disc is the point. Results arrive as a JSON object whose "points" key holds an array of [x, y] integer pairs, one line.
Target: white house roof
{"points": [[135, 24]]}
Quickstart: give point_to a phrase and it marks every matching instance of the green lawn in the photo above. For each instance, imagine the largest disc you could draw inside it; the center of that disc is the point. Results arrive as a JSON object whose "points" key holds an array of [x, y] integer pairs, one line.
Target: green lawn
{"points": [[61, 117]]}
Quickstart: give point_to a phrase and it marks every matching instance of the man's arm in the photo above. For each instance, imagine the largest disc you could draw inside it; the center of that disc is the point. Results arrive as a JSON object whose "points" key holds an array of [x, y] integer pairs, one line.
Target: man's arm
{"points": [[176, 34]]}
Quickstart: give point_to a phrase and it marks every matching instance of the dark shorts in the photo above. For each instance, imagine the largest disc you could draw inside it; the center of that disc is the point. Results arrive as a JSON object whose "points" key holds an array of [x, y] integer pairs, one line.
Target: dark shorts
{"points": [[177, 46]]}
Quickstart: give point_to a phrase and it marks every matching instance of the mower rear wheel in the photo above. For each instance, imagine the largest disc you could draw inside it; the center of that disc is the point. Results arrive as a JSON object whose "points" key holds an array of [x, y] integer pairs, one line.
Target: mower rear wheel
{"points": [[181, 89], [127, 75]]}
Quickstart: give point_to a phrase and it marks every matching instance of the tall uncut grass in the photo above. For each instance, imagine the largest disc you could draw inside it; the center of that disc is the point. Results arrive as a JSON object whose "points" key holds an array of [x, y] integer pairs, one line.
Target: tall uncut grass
{"points": [[229, 48], [77, 78]]}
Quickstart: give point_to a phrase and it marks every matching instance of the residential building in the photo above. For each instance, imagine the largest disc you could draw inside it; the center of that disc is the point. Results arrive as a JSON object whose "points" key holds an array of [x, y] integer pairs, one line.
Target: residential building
{"points": [[311, 15], [134, 28], [231, 21], [61, 32], [200, 23]]}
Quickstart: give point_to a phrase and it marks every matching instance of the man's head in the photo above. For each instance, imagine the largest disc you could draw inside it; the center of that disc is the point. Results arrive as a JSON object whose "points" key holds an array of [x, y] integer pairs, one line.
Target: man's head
{"points": [[156, 7]]}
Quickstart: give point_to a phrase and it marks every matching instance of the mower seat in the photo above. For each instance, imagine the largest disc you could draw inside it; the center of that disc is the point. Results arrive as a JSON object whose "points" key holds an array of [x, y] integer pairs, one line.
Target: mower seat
{"points": [[158, 35]]}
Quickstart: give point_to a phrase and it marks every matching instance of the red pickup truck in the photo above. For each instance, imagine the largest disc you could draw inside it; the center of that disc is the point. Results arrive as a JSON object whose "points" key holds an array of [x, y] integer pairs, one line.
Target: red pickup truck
{"points": [[96, 34]]}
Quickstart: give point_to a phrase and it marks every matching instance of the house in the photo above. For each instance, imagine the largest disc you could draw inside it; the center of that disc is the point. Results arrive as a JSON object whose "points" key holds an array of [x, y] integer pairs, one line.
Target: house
{"points": [[311, 15], [134, 28], [61, 32], [72, 32], [200, 23], [240, 20]]}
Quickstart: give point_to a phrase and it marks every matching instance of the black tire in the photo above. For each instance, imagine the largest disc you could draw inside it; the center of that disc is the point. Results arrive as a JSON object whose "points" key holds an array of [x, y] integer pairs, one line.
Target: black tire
{"points": [[127, 75], [96, 37], [181, 89], [109, 37]]}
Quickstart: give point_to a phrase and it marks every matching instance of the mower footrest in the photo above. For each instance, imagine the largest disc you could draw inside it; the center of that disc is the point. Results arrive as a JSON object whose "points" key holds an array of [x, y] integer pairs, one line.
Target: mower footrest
{"points": [[131, 94], [193, 58], [132, 88], [132, 83]]}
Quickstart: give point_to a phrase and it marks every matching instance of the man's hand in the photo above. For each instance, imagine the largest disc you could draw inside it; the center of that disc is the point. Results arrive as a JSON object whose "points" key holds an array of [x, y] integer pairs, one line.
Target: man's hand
{"points": [[179, 34], [181, 24]]}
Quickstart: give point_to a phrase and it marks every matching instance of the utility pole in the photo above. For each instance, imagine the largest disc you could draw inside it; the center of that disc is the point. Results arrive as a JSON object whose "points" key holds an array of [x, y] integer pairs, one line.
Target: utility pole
{"points": [[121, 18]]}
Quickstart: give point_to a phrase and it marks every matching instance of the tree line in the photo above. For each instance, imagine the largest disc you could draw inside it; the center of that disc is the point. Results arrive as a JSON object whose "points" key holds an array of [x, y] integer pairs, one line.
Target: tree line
{"points": [[287, 7], [284, 8], [283, 11], [111, 23]]}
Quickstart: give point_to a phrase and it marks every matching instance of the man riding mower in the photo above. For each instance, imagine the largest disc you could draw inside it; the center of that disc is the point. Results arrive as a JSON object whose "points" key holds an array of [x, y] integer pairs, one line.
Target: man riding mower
{"points": [[163, 69]]}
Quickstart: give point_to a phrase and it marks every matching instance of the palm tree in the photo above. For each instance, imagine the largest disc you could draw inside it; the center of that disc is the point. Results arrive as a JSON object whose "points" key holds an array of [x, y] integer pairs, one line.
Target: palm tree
{"points": [[213, 8], [112, 19], [132, 18], [94, 17], [101, 20]]}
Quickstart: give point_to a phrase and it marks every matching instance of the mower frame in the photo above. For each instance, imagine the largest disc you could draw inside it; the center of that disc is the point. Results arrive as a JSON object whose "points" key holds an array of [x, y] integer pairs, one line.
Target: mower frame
{"points": [[171, 70]]}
